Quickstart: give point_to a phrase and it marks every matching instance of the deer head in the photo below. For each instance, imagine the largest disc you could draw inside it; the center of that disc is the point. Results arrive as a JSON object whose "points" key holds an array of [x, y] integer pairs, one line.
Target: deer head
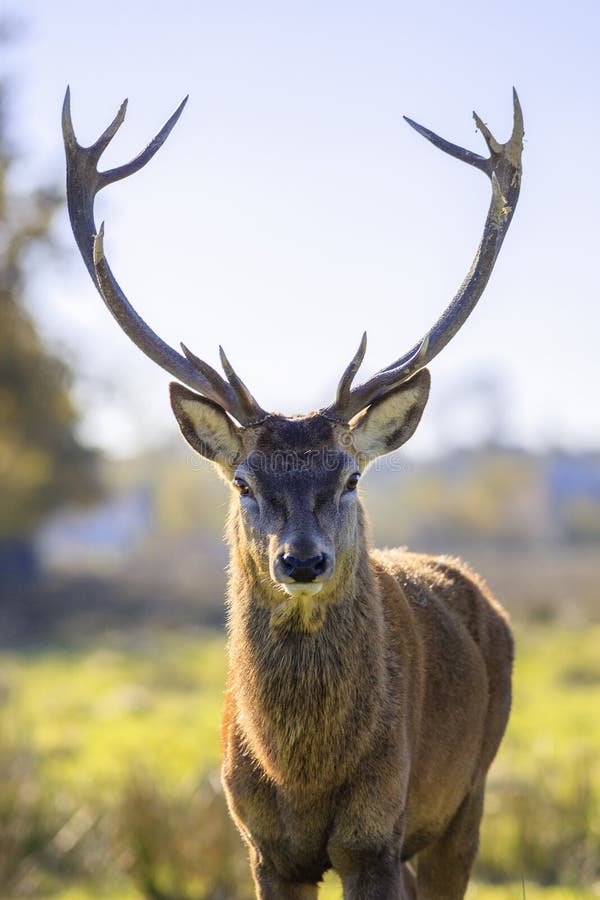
{"points": [[296, 477]]}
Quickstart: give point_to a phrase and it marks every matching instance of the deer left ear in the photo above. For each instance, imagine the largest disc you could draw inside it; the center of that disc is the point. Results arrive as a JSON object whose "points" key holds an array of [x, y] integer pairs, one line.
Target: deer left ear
{"points": [[206, 426], [391, 421]]}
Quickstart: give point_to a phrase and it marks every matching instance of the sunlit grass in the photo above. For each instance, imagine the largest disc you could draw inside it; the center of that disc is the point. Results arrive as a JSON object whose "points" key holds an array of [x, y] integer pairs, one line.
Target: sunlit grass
{"points": [[530, 892], [148, 703], [557, 694], [153, 701], [331, 890]]}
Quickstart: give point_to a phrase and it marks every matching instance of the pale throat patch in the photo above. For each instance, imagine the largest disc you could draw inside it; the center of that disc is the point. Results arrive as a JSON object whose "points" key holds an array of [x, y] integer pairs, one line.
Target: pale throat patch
{"points": [[300, 610]]}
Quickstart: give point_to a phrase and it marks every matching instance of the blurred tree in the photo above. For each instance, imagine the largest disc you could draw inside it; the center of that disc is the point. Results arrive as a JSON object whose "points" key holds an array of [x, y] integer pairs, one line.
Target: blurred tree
{"points": [[42, 463]]}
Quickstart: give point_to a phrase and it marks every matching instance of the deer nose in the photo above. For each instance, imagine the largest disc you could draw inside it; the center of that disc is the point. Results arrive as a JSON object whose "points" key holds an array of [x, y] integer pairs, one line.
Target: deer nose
{"points": [[304, 570]]}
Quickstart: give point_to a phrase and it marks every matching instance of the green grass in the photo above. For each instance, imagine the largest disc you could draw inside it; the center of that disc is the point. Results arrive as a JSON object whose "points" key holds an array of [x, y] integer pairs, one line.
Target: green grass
{"points": [[557, 696], [153, 701], [148, 704], [332, 890], [532, 892]]}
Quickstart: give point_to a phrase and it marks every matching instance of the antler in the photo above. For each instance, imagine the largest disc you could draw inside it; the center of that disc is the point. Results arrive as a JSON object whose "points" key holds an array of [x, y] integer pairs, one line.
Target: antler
{"points": [[83, 183], [503, 167]]}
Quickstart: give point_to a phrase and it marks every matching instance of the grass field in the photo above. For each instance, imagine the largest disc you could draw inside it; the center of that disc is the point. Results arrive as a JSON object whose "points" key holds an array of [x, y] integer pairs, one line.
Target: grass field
{"points": [[109, 755]]}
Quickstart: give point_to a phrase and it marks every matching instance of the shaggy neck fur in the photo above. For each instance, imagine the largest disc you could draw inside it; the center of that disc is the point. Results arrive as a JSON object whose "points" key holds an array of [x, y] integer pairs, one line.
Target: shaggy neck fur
{"points": [[301, 697]]}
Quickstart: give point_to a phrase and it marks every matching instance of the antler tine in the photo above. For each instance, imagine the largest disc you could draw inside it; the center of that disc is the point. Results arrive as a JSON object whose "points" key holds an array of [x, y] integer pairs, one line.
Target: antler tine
{"points": [[253, 410], [473, 159], [343, 391], [504, 169], [84, 181]]}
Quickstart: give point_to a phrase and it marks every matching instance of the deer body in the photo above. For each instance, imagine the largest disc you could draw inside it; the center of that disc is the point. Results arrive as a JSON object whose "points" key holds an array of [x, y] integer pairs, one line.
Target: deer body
{"points": [[367, 692], [353, 743]]}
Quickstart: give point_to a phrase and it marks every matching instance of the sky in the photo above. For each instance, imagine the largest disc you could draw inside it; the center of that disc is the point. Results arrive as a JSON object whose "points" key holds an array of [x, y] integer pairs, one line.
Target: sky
{"points": [[292, 208]]}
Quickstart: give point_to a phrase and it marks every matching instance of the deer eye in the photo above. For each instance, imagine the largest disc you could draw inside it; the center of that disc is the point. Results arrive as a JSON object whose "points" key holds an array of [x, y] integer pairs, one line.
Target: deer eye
{"points": [[242, 487], [352, 482]]}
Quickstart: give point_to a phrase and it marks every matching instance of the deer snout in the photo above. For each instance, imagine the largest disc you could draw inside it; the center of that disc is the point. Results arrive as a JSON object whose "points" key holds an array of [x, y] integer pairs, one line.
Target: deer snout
{"points": [[292, 568], [304, 569]]}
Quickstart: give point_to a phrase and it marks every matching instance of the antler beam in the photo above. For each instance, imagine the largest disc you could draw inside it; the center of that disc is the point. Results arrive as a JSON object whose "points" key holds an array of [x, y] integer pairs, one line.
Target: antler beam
{"points": [[504, 169], [83, 183]]}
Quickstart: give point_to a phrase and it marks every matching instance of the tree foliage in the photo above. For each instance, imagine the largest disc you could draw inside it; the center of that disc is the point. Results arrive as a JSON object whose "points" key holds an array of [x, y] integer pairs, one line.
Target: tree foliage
{"points": [[42, 463]]}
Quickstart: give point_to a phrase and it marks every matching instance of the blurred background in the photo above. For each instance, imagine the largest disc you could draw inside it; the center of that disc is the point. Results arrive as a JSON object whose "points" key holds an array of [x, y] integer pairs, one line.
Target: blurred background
{"points": [[290, 209]]}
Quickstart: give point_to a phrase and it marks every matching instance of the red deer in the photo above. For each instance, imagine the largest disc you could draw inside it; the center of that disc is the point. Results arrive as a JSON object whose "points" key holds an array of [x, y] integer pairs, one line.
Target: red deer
{"points": [[368, 690]]}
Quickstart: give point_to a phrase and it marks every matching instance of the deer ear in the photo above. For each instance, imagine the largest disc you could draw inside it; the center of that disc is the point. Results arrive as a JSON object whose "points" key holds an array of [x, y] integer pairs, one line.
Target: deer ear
{"points": [[389, 422], [205, 426]]}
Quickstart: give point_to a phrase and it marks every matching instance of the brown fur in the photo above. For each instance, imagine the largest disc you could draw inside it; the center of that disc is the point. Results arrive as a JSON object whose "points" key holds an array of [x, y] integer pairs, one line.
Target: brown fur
{"points": [[359, 724]]}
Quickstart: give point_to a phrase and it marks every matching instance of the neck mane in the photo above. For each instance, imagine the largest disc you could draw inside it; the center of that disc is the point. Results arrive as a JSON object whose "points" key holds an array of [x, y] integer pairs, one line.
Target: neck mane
{"points": [[301, 692]]}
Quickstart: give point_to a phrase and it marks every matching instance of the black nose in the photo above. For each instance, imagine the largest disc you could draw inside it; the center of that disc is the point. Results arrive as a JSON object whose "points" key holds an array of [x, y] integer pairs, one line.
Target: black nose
{"points": [[304, 569]]}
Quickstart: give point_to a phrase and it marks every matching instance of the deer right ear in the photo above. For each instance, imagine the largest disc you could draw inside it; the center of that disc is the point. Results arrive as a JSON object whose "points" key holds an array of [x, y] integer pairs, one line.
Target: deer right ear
{"points": [[205, 426]]}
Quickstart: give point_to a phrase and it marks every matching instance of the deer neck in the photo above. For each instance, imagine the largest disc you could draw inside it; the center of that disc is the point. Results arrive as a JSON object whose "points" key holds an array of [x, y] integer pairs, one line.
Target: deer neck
{"points": [[304, 694]]}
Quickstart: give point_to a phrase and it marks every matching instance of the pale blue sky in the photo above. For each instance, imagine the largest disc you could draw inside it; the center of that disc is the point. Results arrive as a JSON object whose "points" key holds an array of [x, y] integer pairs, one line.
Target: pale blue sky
{"points": [[292, 208]]}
